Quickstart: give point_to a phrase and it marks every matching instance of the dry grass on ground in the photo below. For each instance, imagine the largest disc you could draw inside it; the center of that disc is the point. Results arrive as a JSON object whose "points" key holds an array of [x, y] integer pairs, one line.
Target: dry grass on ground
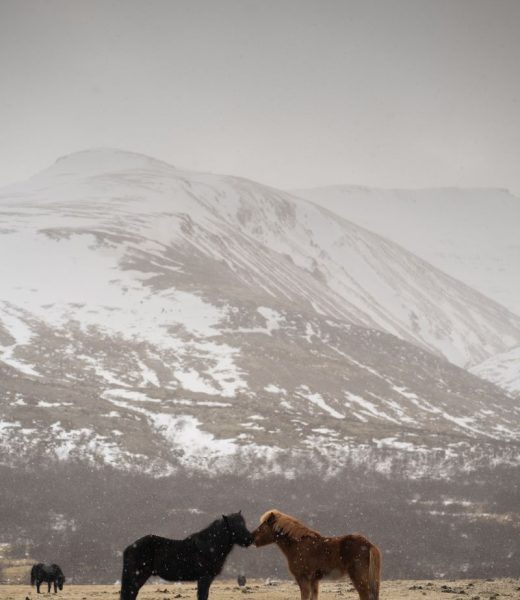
{"points": [[475, 589]]}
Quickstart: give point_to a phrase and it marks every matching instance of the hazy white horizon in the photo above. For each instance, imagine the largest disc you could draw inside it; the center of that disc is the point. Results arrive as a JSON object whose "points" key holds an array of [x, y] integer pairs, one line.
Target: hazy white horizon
{"points": [[400, 94]]}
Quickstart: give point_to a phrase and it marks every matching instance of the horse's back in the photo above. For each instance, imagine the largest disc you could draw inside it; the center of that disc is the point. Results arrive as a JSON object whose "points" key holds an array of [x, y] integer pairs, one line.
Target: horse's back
{"points": [[173, 560], [42, 570], [151, 543], [354, 543], [153, 550], [50, 569]]}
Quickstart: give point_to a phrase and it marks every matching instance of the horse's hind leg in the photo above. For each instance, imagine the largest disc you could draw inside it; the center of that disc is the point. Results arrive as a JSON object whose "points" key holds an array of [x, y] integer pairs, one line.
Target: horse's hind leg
{"points": [[203, 585], [38, 583], [137, 568], [358, 572], [131, 583], [49, 583], [135, 574], [315, 589]]}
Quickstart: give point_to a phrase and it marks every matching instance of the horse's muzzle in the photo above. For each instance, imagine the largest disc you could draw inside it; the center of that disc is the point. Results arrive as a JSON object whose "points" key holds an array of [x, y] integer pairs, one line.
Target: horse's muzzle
{"points": [[254, 537]]}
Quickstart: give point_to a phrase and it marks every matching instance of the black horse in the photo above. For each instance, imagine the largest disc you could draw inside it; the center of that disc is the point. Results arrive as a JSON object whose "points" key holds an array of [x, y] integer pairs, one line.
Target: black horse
{"points": [[200, 557], [49, 573]]}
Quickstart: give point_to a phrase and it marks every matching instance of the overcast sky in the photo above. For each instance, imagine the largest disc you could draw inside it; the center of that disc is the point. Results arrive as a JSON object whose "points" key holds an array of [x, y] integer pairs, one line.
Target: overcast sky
{"points": [[288, 92]]}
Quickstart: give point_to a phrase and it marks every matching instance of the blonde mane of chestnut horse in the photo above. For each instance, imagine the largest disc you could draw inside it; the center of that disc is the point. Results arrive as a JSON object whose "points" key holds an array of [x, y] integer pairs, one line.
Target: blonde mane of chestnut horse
{"points": [[289, 525], [312, 557]]}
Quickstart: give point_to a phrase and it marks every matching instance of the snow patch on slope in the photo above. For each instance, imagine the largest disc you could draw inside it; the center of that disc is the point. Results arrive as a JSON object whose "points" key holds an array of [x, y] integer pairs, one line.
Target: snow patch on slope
{"points": [[502, 369], [472, 234]]}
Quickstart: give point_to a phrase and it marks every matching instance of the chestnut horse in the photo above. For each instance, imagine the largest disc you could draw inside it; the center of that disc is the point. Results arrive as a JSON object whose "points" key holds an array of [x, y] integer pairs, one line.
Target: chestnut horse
{"points": [[312, 557]]}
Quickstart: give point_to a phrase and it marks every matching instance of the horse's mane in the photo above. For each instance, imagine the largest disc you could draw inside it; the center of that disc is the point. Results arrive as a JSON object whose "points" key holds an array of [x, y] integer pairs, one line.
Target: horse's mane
{"points": [[208, 531], [288, 525]]}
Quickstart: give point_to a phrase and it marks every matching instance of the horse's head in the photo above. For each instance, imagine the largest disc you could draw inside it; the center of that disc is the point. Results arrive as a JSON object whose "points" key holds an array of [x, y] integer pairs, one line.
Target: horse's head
{"points": [[266, 533], [60, 577], [236, 525]]}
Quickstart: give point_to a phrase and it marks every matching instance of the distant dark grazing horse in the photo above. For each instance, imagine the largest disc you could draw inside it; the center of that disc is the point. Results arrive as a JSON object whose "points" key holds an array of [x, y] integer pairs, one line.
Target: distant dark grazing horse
{"points": [[52, 574], [199, 557], [312, 557]]}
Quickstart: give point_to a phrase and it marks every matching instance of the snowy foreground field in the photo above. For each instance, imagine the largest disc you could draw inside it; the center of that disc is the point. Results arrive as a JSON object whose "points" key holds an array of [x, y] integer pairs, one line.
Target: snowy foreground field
{"points": [[437, 589]]}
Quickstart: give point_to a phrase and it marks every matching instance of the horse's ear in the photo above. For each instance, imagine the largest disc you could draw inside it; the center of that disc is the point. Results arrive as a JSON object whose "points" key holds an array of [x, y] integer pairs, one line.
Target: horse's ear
{"points": [[224, 517], [271, 518], [240, 512]]}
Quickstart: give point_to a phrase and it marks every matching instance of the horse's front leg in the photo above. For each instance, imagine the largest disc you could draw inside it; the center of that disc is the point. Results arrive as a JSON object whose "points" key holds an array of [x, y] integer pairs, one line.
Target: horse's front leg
{"points": [[55, 587], [305, 588], [315, 589], [203, 588], [49, 583], [38, 583]]}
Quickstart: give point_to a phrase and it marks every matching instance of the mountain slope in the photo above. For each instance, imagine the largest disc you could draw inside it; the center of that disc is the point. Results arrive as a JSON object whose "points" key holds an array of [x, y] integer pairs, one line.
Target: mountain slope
{"points": [[502, 369], [156, 228], [470, 234], [295, 387], [153, 319]]}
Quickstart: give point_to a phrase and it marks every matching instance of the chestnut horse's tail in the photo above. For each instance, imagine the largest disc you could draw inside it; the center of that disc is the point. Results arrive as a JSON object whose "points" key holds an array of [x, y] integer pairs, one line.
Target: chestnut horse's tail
{"points": [[374, 572]]}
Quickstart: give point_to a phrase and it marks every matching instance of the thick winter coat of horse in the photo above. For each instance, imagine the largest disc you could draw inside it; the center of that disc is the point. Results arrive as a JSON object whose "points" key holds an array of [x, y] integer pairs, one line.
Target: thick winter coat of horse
{"points": [[312, 557], [200, 557], [52, 574]]}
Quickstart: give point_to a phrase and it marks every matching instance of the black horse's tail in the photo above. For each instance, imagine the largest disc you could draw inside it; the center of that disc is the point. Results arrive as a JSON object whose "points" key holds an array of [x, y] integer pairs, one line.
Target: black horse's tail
{"points": [[33, 574]]}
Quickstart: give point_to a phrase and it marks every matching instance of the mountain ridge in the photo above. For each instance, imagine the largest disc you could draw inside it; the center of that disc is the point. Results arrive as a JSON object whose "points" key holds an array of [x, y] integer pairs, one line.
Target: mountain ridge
{"points": [[466, 232], [165, 306]]}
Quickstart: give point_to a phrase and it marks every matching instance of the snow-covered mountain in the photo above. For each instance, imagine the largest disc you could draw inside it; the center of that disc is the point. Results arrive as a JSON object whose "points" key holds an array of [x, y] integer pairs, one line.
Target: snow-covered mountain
{"points": [[151, 318], [147, 219], [470, 234], [502, 369]]}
